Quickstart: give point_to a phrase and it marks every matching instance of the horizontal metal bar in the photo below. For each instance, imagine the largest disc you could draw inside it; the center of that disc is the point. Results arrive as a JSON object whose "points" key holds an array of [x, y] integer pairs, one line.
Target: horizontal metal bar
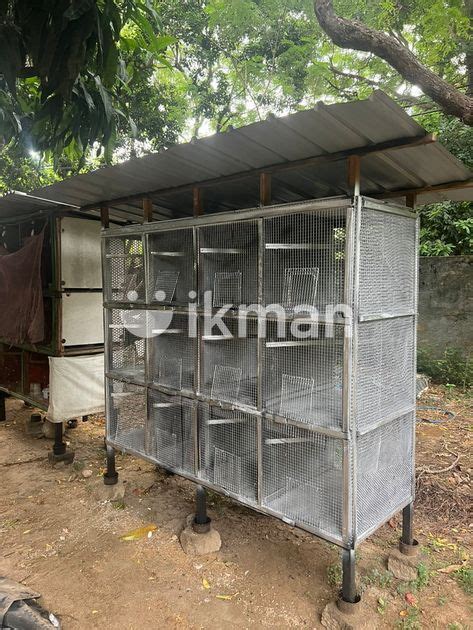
{"points": [[327, 204], [386, 206], [390, 418], [218, 421], [170, 254], [221, 250], [272, 441], [296, 246], [122, 255], [293, 344], [382, 316]]}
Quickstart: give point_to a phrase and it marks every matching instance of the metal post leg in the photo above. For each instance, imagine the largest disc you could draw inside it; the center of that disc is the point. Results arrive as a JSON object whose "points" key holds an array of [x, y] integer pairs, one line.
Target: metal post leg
{"points": [[407, 524], [348, 580], [201, 523], [3, 413], [110, 477], [408, 545], [59, 447]]}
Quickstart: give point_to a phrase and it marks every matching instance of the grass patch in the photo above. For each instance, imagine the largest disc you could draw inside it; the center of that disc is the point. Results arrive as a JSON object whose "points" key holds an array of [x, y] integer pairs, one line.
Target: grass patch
{"points": [[464, 577]]}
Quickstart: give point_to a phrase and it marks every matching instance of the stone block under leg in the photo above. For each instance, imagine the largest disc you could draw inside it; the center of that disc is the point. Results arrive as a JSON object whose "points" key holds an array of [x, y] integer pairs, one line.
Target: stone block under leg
{"points": [[352, 617], [195, 544], [404, 567]]}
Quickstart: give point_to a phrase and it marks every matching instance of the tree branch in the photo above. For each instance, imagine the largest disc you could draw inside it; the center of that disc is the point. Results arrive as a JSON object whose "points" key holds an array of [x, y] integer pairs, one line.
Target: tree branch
{"points": [[356, 35]]}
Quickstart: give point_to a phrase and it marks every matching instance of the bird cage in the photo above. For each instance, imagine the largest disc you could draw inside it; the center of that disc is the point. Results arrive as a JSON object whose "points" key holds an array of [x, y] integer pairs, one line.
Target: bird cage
{"points": [[124, 272], [126, 332], [307, 419]]}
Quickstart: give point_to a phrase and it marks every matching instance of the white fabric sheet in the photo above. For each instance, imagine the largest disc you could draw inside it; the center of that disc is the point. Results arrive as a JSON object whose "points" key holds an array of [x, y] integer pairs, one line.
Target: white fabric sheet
{"points": [[76, 387]]}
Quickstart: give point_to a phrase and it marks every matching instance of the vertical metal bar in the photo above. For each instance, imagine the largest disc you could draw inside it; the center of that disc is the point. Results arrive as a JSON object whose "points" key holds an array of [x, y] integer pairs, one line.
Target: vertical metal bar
{"points": [[260, 359], [414, 354], [110, 477], [59, 447], [3, 413], [348, 576], [408, 524]]}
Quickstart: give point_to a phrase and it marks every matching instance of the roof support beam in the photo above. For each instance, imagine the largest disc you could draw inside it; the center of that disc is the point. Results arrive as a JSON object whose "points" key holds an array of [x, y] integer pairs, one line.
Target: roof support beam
{"points": [[425, 189], [265, 189], [398, 143], [354, 174], [147, 209], [104, 216], [197, 201]]}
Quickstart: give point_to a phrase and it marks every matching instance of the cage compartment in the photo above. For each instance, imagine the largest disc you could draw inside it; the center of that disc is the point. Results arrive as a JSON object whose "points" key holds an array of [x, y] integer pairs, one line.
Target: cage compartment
{"points": [[126, 415], [385, 370], [169, 437], [303, 476], [173, 349], [388, 244], [171, 267], [384, 472], [126, 332], [228, 450], [304, 259], [303, 377], [229, 263], [124, 273], [229, 363]]}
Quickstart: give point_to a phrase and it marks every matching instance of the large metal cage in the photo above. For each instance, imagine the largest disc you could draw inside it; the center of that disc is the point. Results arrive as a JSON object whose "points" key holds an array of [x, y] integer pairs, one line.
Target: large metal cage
{"points": [[309, 422]]}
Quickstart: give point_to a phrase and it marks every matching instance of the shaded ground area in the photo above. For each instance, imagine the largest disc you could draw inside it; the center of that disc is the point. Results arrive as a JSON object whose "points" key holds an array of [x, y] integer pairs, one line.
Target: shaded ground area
{"points": [[58, 539]]}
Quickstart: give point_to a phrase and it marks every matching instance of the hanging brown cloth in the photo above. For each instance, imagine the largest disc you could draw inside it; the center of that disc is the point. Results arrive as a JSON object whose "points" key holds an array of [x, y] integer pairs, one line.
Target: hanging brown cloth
{"points": [[21, 294]]}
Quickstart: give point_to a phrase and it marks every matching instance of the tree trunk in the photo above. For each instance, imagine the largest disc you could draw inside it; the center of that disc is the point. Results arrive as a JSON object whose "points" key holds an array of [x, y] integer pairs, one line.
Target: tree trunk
{"points": [[356, 35]]}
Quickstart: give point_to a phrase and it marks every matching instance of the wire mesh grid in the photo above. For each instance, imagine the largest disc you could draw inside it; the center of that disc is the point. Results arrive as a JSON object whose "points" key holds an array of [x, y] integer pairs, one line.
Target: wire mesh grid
{"points": [[171, 267], [303, 476], [124, 274], [304, 259], [229, 263], [385, 370], [387, 263], [169, 435], [126, 415], [228, 450], [229, 363], [383, 472], [126, 343], [172, 350], [303, 377]]}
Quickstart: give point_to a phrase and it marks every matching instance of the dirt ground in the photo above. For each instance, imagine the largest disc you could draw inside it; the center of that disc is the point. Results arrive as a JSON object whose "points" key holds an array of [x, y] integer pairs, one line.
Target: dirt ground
{"points": [[58, 539]]}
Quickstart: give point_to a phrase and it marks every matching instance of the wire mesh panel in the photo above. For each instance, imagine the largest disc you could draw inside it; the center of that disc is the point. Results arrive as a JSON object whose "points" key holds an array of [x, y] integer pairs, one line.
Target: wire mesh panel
{"points": [[126, 332], [228, 450], [169, 435], [126, 415], [124, 275], [172, 350], [303, 373], [387, 263], [385, 370], [384, 472], [303, 476], [304, 259], [229, 263], [229, 362], [171, 267]]}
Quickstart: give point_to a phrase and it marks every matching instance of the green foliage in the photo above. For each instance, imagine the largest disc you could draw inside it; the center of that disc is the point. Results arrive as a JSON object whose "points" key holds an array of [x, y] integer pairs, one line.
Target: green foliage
{"points": [[334, 574], [452, 368], [382, 579], [464, 577], [446, 229], [61, 67]]}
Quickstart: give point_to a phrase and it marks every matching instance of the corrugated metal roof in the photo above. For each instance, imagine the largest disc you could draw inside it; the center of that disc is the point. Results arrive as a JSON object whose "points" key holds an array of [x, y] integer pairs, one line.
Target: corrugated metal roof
{"points": [[19, 204], [321, 131]]}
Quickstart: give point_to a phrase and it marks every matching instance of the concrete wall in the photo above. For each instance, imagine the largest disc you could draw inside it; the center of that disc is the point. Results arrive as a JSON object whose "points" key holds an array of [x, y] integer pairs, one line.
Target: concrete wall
{"points": [[446, 303]]}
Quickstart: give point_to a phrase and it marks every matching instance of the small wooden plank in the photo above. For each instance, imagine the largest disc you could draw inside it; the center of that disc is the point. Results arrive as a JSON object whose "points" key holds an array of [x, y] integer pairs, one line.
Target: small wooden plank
{"points": [[354, 173], [197, 201], [147, 209], [265, 189], [411, 199], [104, 216]]}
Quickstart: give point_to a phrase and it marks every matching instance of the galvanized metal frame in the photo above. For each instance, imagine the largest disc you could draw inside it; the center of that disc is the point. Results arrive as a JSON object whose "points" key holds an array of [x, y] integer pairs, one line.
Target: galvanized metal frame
{"points": [[348, 434]]}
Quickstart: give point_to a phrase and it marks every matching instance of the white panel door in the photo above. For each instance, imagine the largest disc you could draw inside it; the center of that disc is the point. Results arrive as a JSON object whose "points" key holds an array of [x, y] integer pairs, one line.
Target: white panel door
{"points": [[82, 319], [80, 254]]}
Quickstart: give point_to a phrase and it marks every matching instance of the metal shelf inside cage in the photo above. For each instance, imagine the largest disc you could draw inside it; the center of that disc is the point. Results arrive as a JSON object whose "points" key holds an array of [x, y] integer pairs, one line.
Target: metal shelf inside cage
{"points": [[171, 267]]}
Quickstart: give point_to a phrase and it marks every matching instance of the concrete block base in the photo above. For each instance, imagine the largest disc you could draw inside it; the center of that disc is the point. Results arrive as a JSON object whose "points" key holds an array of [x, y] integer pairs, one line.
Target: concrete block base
{"points": [[48, 428], [199, 544], [105, 493], [351, 617], [404, 567]]}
